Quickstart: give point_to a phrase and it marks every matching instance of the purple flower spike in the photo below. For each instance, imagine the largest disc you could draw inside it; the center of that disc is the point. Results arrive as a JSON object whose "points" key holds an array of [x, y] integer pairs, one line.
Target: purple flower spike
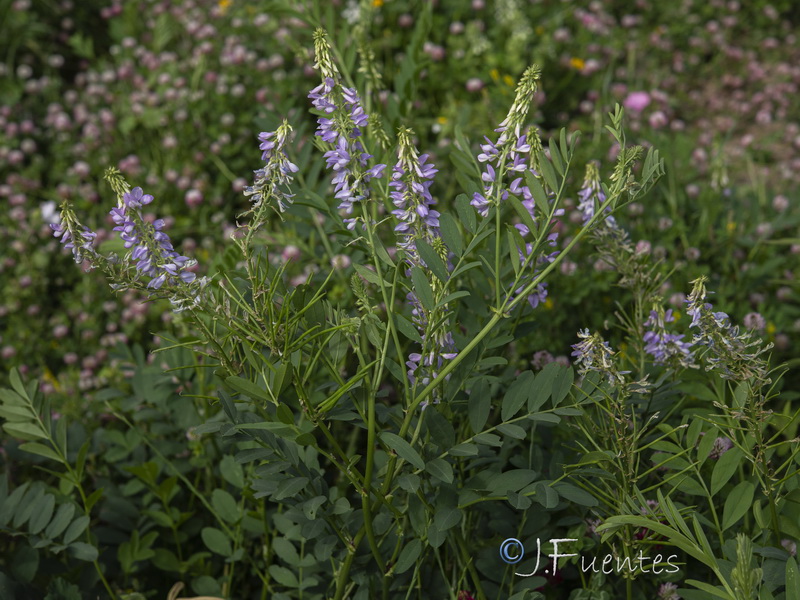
{"points": [[152, 251], [342, 125], [274, 178], [662, 346]]}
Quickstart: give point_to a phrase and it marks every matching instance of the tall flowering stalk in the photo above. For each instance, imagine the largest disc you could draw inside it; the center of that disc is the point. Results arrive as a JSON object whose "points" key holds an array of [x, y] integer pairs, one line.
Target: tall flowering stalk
{"points": [[508, 161], [412, 177], [507, 154], [341, 125]]}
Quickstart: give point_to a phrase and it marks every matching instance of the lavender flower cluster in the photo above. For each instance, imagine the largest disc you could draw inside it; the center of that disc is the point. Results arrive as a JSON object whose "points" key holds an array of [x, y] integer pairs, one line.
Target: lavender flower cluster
{"points": [[508, 156], [666, 347], [152, 249], [592, 196], [509, 148], [595, 354], [348, 158], [76, 237], [412, 177], [733, 354], [273, 179]]}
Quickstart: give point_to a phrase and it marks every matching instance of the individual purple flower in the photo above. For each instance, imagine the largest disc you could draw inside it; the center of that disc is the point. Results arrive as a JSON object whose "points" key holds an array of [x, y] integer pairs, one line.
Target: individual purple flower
{"points": [[538, 296], [665, 347], [541, 359], [636, 102], [754, 320]]}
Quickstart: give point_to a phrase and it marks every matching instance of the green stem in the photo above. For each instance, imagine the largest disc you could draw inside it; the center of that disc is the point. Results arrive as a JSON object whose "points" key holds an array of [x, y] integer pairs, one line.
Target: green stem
{"points": [[497, 255], [476, 580], [344, 573], [212, 340]]}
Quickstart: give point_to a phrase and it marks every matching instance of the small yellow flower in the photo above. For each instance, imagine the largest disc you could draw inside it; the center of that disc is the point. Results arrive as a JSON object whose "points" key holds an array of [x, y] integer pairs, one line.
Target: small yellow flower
{"points": [[377, 3], [50, 378], [771, 328], [731, 226], [577, 63], [548, 304], [441, 120], [494, 74], [508, 80], [224, 5], [676, 315]]}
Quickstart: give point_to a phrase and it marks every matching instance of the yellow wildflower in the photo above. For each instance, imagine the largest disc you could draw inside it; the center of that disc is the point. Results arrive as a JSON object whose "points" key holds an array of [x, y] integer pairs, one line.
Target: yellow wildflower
{"points": [[224, 5], [508, 80], [577, 63], [441, 120], [50, 378], [731, 226], [548, 304], [771, 328], [494, 74], [377, 3]]}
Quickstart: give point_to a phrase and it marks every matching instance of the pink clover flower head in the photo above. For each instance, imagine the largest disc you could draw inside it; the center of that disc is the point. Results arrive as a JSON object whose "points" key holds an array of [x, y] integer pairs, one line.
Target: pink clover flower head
{"points": [[720, 447], [668, 591], [755, 321], [636, 101]]}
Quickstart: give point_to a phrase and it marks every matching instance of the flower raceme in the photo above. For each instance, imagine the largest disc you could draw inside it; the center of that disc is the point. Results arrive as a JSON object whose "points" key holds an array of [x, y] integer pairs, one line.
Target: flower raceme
{"points": [[593, 353], [733, 354], [151, 247], [273, 179], [512, 157], [591, 197], [412, 177], [341, 125], [411, 180], [665, 347], [76, 237], [507, 154]]}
